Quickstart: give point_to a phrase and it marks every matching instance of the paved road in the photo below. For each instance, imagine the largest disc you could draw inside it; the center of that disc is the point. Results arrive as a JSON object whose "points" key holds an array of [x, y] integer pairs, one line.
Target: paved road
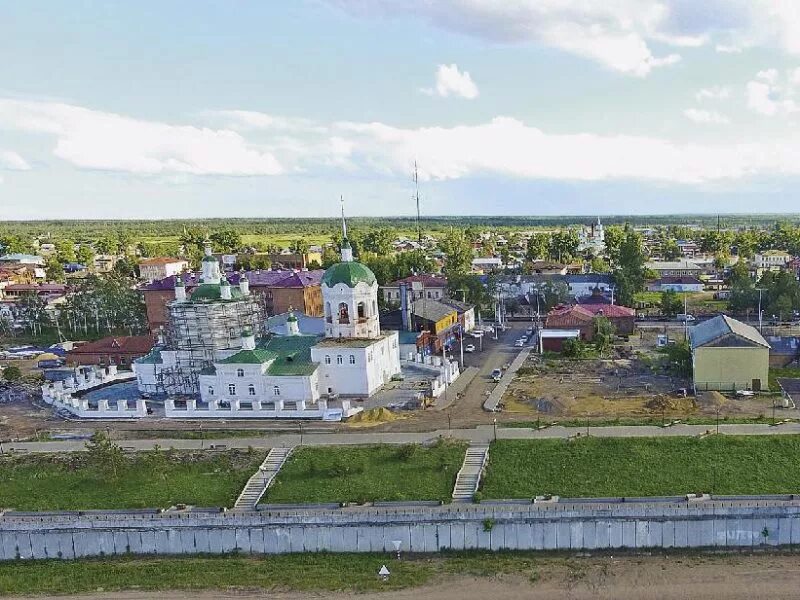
{"points": [[485, 433]]}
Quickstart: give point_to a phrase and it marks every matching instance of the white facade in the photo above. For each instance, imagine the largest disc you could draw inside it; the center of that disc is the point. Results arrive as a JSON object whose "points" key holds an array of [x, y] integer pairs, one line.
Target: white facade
{"points": [[351, 312], [771, 260], [356, 369], [159, 268]]}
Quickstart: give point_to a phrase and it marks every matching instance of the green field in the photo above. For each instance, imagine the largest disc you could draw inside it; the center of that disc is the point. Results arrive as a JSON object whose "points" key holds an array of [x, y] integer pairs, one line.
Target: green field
{"points": [[367, 473], [597, 467], [312, 572], [146, 480]]}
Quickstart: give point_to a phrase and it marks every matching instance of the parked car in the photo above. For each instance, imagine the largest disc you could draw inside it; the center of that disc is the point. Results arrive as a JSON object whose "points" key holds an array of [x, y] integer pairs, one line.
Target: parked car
{"points": [[497, 374], [519, 344], [469, 348]]}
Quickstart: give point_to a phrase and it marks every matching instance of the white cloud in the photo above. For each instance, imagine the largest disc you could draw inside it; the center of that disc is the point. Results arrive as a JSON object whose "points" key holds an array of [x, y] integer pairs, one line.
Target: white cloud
{"points": [[13, 161], [452, 82], [501, 147], [771, 93], [619, 34], [93, 139], [716, 92], [614, 33], [705, 116]]}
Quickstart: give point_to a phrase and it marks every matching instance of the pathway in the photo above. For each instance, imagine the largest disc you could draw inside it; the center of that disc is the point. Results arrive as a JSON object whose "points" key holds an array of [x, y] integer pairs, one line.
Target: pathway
{"points": [[497, 393], [484, 433], [256, 486], [469, 477]]}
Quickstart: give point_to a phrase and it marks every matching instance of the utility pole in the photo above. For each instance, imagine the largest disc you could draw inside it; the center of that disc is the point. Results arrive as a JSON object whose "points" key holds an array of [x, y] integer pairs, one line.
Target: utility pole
{"points": [[760, 315], [416, 197]]}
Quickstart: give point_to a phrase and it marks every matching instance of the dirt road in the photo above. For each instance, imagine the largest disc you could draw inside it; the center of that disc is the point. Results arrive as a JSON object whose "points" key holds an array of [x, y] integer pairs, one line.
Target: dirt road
{"points": [[627, 578]]}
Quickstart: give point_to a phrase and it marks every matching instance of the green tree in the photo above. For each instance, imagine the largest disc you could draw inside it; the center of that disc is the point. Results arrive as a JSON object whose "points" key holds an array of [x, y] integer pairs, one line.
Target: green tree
{"points": [[227, 241], [629, 269], [670, 249], [457, 251], [604, 333], [299, 246], [671, 304], [104, 455], [564, 245], [54, 270], [538, 246], [379, 241], [12, 373], [85, 255], [65, 251], [573, 348], [599, 265], [15, 243]]}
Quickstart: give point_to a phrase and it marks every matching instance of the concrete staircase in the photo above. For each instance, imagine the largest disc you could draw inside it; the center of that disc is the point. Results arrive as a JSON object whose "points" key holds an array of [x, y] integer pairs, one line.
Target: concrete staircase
{"points": [[469, 477], [261, 479]]}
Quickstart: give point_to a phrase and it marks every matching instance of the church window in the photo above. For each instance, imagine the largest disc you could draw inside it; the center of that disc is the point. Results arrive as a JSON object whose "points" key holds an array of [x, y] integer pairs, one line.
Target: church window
{"points": [[232, 389], [327, 359], [430, 295], [339, 359], [328, 312], [251, 389], [352, 359], [369, 356], [240, 372], [276, 390], [210, 390], [362, 310], [344, 314]]}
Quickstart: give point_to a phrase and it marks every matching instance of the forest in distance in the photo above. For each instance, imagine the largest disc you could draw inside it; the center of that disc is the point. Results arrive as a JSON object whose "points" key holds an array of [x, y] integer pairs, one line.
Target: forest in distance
{"points": [[86, 228]]}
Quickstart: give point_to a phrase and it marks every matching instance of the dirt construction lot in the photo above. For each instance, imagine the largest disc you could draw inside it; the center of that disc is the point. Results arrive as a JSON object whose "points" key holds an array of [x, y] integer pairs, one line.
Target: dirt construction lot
{"points": [[626, 578], [630, 387]]}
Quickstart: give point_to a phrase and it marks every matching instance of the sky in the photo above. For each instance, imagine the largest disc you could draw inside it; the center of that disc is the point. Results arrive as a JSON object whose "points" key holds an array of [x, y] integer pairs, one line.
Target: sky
{"points": [[200, 108]]}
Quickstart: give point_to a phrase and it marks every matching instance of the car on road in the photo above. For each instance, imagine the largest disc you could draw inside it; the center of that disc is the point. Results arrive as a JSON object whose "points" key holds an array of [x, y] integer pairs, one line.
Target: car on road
{"points": [[684, 318], [497, 374], [529, 331], [469, 348], [476, 334], [519, 344]]}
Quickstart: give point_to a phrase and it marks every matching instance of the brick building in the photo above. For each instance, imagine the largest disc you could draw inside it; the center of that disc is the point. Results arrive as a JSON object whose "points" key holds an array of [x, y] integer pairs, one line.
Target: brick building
{"points": [[114, 350], [277, 290]]}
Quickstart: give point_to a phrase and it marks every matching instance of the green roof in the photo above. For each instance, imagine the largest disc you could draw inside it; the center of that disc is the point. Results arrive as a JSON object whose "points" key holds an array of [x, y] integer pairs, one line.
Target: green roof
{"points": [[152, 358], [348, 273], [211, 291], [249, 357], [293, 354]]}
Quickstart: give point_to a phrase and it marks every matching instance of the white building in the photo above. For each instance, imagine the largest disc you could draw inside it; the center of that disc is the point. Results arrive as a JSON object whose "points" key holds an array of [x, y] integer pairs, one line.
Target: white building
{"points": [[592, 238], [771, 260], [153, 269], [280, 376]]}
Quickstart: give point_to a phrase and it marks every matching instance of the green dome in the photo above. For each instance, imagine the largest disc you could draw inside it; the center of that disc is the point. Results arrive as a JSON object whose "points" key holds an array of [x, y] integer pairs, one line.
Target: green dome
{"points": [[209, 259], [348, 273], [210, 291]]}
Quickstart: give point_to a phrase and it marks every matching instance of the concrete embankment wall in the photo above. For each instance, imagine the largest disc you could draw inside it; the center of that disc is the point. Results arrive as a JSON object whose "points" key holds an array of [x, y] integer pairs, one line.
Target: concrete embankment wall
{"points": [[721, 524]]}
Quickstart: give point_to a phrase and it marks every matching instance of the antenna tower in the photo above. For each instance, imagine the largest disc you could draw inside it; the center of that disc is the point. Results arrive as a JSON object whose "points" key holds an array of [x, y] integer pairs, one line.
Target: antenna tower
{"points": [[416, 197]]}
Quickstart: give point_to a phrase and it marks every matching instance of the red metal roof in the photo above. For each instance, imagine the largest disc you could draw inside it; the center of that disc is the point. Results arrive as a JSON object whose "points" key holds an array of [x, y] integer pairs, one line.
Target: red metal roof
{"points": [[137, 344]]}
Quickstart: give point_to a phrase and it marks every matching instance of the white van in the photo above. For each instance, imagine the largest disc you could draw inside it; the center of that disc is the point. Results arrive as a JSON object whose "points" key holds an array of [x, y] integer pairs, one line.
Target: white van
{"points": [[684, 318]]}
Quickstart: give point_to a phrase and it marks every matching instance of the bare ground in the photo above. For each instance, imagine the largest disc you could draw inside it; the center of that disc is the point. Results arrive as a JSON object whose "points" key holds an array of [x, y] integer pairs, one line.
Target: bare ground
{"points": [[641, 578]]}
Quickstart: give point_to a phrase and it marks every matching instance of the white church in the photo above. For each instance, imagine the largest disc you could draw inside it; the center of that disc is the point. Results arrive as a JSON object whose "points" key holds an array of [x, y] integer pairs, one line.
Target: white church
{"points": [[288, 376]]}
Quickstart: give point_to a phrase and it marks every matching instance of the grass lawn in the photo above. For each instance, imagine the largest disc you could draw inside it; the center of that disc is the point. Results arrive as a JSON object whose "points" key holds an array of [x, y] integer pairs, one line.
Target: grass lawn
{"points": [[145, 480], [298, 572], [639, 421], [367, 473], [596, 467]]}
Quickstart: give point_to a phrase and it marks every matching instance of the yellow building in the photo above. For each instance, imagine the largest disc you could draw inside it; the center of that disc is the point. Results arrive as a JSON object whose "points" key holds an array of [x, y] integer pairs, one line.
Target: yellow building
{"points": [[728, 355]]}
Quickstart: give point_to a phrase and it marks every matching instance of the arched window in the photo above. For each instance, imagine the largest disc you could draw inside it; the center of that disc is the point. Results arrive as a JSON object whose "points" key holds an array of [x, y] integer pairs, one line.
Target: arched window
{"points": [[339, 359], [362, 310], [232, 389], [344, 313], [210, 390], [251, 389], [374, 307], [328, 312], [327, 359], [352, 359], [240, 372], [276, 390]]}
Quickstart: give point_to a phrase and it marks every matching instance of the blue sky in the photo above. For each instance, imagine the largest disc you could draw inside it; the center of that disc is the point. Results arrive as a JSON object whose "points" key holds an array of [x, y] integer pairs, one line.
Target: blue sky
{"points": [[201, 108]]}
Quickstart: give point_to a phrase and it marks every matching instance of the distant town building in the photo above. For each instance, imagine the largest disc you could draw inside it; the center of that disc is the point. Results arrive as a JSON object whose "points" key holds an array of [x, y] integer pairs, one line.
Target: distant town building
{"points": [[277, 291], [152, 269], [592, 238], [676, 284], [675, 268], [21, 259], [771, 260], [416, 287]]}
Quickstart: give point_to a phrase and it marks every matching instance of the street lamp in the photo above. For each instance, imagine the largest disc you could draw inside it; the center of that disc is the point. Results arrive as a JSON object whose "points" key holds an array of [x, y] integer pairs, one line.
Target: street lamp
{"points": [[760, 315], [301, 433], [494, 422]]}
